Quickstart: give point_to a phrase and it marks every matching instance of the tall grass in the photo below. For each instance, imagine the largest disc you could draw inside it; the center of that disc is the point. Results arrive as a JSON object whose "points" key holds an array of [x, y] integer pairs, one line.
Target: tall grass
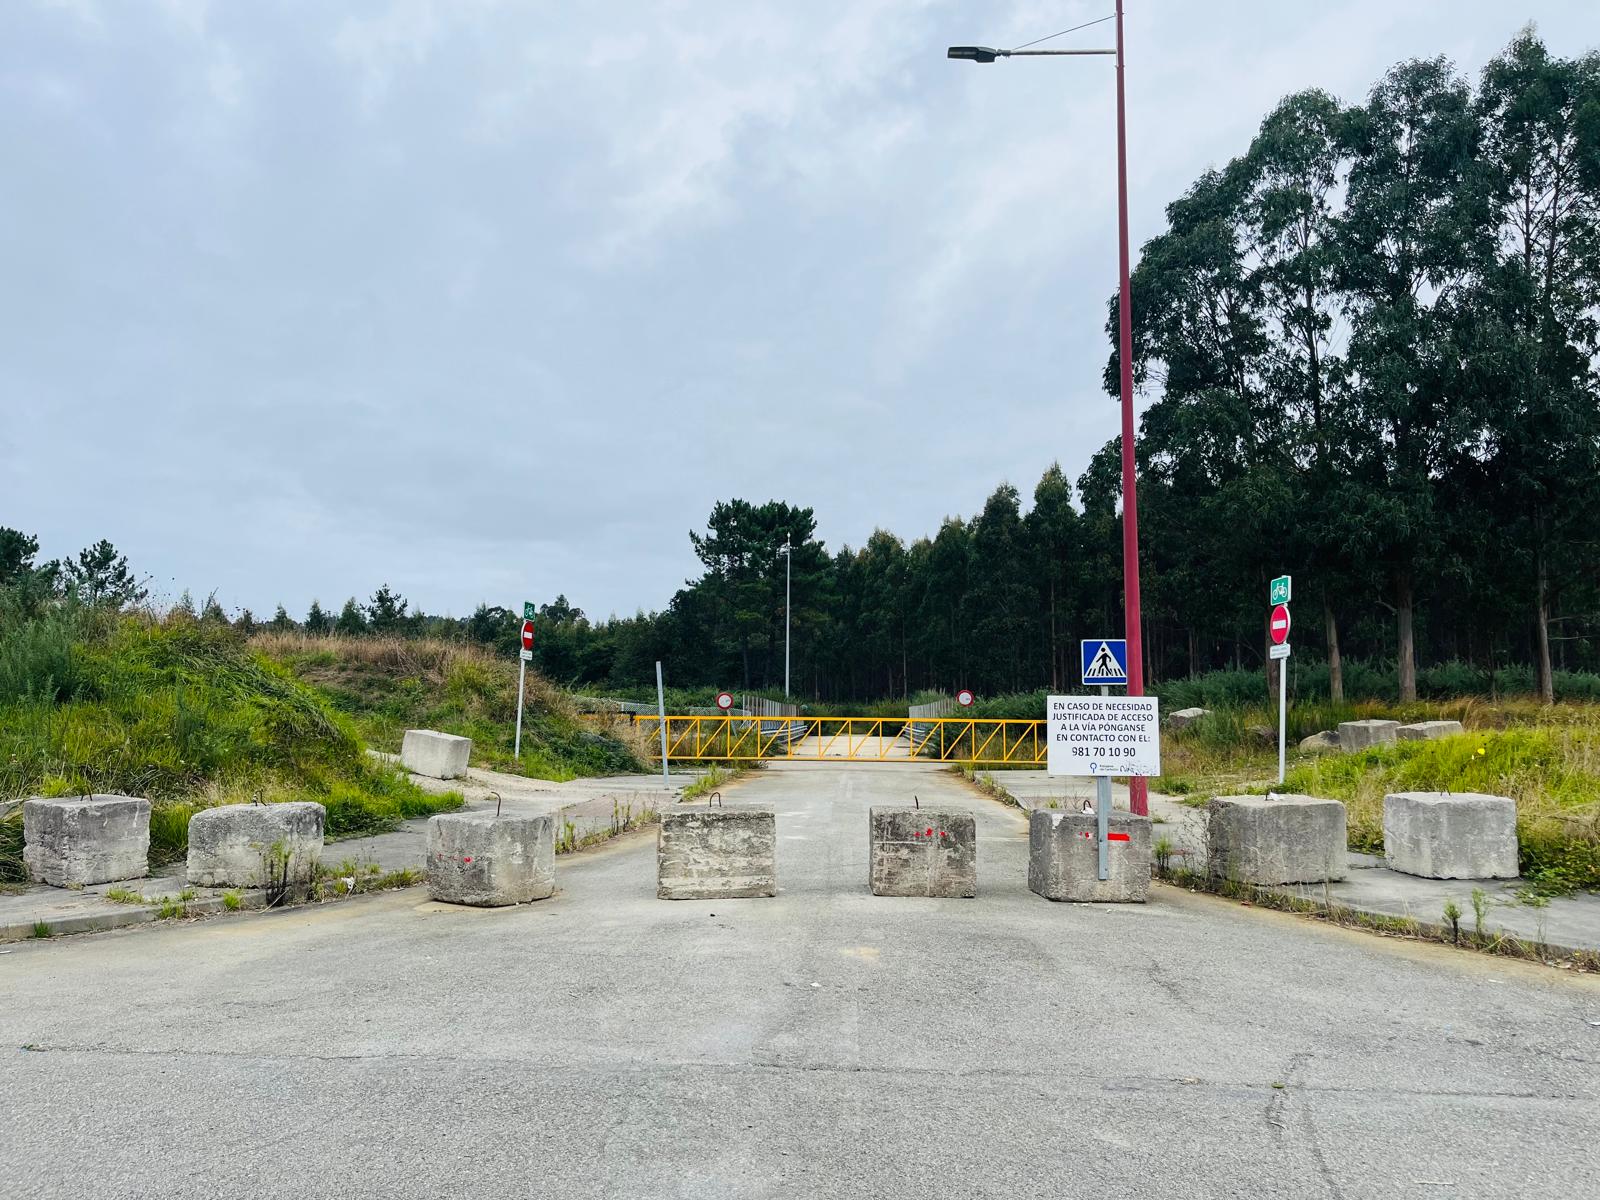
{"points": [[182, 713], [388, 685]]}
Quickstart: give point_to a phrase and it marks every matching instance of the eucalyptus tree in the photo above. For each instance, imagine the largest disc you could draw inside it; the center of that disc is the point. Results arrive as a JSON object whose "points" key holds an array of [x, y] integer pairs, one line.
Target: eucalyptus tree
{"points": [[1413, 232], [1535, 312]]}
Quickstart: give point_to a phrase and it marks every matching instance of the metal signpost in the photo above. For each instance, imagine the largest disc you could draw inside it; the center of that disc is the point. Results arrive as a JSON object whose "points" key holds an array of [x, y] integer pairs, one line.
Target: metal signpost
{"points": [[661, 708], [1101, 736], [523, 659], [1278, 628]]}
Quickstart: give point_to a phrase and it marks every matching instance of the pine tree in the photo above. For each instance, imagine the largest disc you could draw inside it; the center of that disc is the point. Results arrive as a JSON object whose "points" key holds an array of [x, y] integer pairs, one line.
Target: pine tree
{"points": [[318, 622], [281, 622], [99, 575], [350, 623]]}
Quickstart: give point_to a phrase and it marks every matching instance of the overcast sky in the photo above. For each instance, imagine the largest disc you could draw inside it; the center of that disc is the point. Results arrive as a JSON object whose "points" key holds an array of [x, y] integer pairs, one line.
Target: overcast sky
{"points": [[492, 301]]}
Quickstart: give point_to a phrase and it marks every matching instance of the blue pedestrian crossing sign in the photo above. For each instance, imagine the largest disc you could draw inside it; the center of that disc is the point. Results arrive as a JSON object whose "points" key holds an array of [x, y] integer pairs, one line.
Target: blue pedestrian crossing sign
{"points": [[1105, 662]]}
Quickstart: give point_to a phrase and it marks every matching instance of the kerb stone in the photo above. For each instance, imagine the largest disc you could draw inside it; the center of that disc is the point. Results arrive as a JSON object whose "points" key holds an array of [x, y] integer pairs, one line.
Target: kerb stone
{"points": [[486, 860], [716, 853], [922, 852], [81, 840], [256, 845], [1428, 731], [1288, 839], [1064, 857], [438, 755], [1359, 735], [1450, 835]]}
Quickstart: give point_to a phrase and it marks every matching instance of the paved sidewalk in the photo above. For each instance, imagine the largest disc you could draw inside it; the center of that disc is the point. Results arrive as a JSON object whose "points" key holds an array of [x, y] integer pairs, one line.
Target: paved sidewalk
{"points": [[594, 807], [1565, 923]]}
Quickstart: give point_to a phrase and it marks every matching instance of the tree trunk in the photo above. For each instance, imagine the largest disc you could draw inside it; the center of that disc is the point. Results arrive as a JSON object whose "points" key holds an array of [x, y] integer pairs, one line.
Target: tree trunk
{"points": [[1335, 663], [1546, 677], [1406, 647], [1194, 655]]}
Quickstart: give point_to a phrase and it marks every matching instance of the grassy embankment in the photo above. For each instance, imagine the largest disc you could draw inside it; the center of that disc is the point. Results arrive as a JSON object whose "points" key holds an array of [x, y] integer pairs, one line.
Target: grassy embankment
{"points": [[1547, 759], [182, 713], [388, 685]]}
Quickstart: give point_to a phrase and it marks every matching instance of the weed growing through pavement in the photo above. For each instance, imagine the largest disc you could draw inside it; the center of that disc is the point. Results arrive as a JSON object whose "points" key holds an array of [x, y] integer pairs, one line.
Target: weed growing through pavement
{"points": [[231, 900], [1452, 914], [41, 929]]}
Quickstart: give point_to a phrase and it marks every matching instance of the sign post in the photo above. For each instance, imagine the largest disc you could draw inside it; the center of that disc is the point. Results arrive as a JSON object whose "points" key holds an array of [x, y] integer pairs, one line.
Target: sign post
{"points": [[661, 710], [1097, 736], [1278, 629], [522, 674]]}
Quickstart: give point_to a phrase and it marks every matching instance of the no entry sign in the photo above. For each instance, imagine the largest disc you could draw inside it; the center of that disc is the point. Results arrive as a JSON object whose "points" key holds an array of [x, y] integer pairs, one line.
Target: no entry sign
{"points": [[527, 635], [724, 701], [964, 698], [1278, 624]]}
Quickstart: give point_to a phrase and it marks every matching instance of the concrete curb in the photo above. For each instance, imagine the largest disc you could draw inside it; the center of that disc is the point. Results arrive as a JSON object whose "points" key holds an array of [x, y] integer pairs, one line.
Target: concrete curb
{"points": [[132, 914]]}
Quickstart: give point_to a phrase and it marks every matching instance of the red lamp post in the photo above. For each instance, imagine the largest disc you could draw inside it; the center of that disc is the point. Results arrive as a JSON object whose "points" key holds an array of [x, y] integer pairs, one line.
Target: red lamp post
{"points": [[1138, 789]]}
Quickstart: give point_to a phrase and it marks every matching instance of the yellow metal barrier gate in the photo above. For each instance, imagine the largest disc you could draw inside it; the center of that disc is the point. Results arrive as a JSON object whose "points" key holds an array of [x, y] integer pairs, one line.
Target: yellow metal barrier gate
{"points": [[988, 741]]}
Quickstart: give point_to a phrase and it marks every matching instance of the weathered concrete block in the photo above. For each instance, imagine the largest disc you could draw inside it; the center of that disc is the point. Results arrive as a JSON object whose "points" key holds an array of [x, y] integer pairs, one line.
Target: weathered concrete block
{"points": [[922, 852], [1321, 743], [1288, 839], [1185, 717], [256, 845], [488, 860], [716, 853], [1450, 835], [1358, 735], [439, 755], [1428, 731], [70, 840], [1064, 857]]}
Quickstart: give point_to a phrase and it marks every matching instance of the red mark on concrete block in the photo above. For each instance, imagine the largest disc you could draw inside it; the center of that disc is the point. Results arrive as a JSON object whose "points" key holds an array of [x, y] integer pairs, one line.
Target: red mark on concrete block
{"points": [[930, 832], [1117, 837], [467, 859]]}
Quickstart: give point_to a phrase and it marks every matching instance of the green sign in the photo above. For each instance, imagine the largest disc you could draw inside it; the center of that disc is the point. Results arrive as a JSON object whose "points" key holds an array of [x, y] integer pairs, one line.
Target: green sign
{"points": [[1278, 593], [527, 608]]}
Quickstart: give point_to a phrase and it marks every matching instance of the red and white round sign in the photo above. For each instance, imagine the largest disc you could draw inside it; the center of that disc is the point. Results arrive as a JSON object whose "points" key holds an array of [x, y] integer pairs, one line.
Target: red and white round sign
{"points": [[964, 697], [527, 635], [724, 701], [1278, 624]]}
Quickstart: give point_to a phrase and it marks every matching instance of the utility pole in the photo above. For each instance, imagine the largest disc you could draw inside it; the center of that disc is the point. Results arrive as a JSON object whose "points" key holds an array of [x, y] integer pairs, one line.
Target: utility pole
{"points": [[788, 588], [1138, 787]]}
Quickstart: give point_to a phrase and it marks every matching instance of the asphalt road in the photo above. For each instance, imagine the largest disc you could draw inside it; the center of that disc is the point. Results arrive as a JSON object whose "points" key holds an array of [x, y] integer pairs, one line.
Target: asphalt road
{"points": [[823, 1043]]}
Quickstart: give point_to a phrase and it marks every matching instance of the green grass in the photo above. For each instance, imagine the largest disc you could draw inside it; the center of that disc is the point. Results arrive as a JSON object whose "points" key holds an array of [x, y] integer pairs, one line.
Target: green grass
{"points": [[1546, 758], [179, 712], [388, 685], [715, 777]]}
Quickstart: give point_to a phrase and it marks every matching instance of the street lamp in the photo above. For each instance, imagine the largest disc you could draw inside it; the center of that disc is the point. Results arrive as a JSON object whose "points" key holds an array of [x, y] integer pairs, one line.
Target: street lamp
{"points": [[787, 550], [1138, 789]]}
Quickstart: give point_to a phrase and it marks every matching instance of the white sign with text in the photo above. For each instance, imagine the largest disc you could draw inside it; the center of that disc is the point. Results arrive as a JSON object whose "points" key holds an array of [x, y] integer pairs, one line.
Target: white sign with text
{"points": [[1104, 735]]}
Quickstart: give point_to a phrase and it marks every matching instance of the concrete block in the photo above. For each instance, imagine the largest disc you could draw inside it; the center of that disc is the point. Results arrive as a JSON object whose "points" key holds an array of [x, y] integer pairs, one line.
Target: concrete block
{"points": [[1450, 835], [716, 853], [439, 755], [1325, 742], [1064, 857], [1288, 839], [487, 860], [256, 845], [1358, 735], [1428, 731], [71, 840], [1185, 717], [922, 852]]}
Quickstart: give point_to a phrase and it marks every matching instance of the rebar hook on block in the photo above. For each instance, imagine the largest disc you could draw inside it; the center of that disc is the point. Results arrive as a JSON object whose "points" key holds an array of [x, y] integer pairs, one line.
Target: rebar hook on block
{"points": [[717, 796]]}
